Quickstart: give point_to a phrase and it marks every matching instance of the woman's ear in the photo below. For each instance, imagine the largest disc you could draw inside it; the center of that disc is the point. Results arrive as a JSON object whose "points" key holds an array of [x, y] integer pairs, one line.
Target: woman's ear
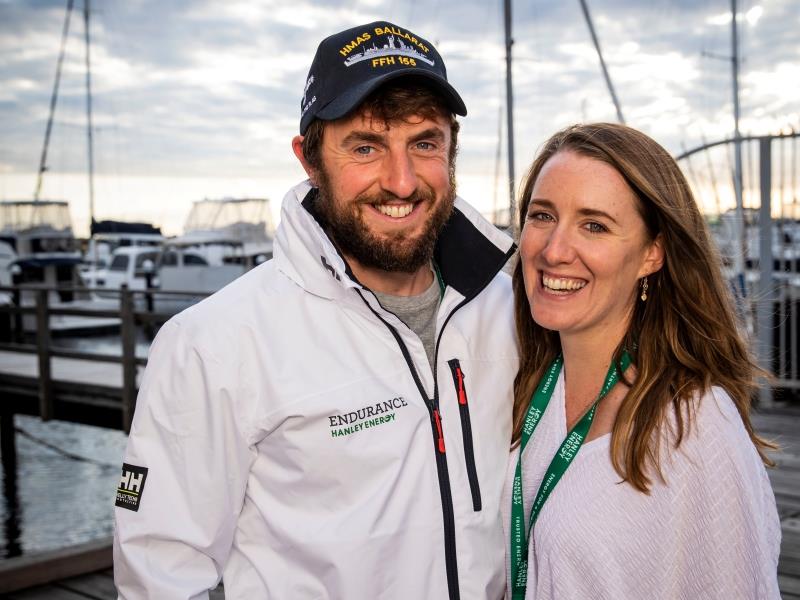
{"points": [[654, 257]]}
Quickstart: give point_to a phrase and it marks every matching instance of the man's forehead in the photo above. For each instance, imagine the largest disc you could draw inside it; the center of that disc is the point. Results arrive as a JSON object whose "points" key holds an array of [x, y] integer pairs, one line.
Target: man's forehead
{"points": [[365, 120]]}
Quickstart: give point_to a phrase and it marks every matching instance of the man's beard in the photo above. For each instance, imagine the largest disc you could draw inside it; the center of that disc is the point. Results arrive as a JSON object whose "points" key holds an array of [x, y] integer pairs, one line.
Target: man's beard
{"points": [[397, 252]]}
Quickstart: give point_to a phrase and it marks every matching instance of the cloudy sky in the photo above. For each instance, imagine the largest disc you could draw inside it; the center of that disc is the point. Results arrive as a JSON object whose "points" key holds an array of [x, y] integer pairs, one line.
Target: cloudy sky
{"points": [[196, 98]]}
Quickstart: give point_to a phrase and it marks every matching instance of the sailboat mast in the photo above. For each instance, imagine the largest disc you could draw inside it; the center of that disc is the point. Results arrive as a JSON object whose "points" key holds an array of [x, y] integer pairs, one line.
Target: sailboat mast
{"points": [[512, 205], [737, 149], [53, 100], [89, 139]]}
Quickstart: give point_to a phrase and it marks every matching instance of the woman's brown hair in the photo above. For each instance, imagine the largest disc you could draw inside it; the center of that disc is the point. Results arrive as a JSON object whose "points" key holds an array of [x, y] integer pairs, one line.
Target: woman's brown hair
{"points": [[683, 340]]}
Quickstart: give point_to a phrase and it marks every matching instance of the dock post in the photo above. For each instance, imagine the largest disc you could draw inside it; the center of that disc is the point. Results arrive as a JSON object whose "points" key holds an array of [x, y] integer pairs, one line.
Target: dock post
{"points": [[765, 306], [128, 331], [43, 352], [19, 335], [149, 328], [8, 444], [8, 449]]}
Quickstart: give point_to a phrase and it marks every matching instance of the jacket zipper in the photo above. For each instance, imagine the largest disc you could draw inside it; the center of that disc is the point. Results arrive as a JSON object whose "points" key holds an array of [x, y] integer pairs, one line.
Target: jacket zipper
{"points": [[466, 432], [448, 516]]}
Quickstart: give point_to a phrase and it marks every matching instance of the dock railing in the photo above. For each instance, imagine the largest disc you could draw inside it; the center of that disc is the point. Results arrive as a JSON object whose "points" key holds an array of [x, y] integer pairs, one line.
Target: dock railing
{"points": [[766, 235], [785, 342], [35, 300]]}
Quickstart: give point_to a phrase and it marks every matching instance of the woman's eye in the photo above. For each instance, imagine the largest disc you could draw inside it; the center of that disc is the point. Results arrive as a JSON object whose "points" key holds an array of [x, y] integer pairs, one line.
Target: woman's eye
{"points": [[540, 216], [594, 227]]}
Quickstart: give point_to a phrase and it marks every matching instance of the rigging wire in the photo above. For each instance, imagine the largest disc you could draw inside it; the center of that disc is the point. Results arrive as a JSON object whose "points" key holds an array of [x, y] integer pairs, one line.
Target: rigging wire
{"points": [[603, 66], [53, 100], [781, 171], [794, 177], [712, 175], [690, 168], [729, 159], [89, 139]]}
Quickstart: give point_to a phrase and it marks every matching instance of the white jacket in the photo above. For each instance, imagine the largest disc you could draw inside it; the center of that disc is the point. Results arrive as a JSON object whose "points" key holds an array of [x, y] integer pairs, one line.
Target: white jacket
{"points": [[286, 438]]}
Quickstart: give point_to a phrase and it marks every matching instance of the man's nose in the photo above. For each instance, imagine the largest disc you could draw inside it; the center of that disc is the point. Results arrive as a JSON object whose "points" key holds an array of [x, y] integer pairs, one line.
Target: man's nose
{"points": [[398, 174]]}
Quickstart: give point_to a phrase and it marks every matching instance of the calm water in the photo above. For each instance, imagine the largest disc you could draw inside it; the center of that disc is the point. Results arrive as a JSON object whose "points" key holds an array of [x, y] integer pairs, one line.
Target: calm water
{"points": [[62, 495], [59, 500]]}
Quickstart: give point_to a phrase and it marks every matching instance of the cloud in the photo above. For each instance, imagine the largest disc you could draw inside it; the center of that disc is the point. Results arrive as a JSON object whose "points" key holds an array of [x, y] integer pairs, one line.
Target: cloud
{"points": [[192, 88]]}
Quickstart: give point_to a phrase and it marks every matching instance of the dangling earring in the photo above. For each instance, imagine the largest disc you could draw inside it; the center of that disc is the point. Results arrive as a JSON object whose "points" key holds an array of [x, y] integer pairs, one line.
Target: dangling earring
{"points": [[644, 289]]}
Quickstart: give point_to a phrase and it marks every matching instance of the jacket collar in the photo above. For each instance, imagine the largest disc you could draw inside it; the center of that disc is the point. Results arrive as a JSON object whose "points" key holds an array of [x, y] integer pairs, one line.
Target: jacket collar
{"points": [[470, 251]]}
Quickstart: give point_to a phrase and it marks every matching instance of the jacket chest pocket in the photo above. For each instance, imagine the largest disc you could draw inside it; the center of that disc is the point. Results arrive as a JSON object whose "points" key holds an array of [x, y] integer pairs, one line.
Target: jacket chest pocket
{"points": [[466, 431]]}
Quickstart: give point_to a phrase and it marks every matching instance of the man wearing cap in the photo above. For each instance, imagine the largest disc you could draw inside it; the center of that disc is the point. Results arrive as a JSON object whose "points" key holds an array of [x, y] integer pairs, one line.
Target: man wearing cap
{"points": [[336, 422]]}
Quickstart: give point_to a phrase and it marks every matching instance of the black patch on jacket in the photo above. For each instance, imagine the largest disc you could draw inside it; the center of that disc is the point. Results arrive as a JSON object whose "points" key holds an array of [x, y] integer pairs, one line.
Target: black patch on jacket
{"points": [[131, 487]]}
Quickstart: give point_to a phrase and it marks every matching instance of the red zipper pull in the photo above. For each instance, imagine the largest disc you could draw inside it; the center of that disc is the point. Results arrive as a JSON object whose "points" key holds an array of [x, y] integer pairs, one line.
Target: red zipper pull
{"points": [[438, 421], [462, 395]]}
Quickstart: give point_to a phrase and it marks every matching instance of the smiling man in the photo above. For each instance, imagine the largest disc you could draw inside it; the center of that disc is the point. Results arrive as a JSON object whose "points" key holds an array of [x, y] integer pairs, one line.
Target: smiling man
{"points": [[336, 423]]}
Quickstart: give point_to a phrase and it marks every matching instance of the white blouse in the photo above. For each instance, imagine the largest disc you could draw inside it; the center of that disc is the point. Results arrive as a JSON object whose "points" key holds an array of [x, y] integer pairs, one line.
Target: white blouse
{"points": [[711, 532]]}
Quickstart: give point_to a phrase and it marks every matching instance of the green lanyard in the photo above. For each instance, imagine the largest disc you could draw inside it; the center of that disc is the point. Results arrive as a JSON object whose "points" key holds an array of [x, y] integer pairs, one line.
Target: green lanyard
{"points": [[558, 466], [440, 279]]}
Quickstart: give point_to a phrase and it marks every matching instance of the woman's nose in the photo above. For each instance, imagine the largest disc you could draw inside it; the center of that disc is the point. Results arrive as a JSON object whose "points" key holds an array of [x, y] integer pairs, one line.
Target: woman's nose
{"points": [[559, 248]]}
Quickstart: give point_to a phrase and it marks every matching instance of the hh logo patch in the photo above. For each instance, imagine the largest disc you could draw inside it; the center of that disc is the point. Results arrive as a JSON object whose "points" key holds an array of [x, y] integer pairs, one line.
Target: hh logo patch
{"points": [[131, 486]]}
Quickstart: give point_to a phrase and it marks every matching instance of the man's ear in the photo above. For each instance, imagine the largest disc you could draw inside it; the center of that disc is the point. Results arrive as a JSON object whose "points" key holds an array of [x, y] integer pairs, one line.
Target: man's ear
{"points": [[297, 147]]}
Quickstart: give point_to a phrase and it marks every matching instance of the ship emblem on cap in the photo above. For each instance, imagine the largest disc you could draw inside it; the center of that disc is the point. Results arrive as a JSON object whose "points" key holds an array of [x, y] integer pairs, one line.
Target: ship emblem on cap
{"points": [[388, 49]]}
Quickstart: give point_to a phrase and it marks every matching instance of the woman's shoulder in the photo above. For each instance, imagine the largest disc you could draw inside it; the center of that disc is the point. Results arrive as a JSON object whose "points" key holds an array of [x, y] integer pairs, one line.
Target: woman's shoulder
{"points": [[715, 434], [715, 407]]}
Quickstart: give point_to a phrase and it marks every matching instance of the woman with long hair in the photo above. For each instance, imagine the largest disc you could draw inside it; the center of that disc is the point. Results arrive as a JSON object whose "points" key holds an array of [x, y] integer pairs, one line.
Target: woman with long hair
{"points": [[635, 472]]}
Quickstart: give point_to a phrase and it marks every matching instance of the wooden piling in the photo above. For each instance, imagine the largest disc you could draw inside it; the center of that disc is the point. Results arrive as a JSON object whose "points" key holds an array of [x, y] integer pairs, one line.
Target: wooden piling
{"points": [[128, 334], [8, 444], [43, 352], [18, 335]]}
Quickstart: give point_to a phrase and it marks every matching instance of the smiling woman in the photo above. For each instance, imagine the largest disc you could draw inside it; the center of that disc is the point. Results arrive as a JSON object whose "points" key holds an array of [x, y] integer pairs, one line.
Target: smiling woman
{"points": [[636, 472], [588, 246]]}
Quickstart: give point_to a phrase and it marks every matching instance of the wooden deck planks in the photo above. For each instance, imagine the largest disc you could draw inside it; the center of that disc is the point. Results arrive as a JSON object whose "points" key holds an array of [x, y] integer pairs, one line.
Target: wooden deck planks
{"points": [[95, 585], [50, 592], [782, 426], [48, 568]]}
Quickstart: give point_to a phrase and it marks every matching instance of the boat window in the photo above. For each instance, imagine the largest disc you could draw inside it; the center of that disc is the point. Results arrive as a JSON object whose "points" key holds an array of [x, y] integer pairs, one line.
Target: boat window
{"points": [[169, 259], [119, 263], [194, 260], [145, 256]]}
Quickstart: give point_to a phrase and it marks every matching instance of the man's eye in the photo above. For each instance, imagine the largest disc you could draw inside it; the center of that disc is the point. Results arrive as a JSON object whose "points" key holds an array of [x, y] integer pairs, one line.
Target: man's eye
{"points": [[595, 227], [364, 150], [425, 146]]}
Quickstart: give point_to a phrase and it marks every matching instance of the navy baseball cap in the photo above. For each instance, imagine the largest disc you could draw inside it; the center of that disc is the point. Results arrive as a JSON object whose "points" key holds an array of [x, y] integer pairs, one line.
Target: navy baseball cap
{"points": [[348, 66]]}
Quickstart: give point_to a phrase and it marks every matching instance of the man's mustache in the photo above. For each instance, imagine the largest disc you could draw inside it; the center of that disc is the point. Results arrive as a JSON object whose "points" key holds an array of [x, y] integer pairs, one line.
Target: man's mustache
{"points": [[419, 195]]}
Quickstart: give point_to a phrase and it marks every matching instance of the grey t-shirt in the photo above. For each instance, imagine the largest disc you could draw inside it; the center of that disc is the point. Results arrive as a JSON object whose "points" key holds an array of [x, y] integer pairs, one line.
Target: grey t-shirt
{"points": [[418, 312]]}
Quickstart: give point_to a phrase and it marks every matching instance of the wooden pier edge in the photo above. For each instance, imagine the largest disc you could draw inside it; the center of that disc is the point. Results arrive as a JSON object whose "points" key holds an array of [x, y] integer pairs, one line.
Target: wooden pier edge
{"points": [[45, 567]]}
